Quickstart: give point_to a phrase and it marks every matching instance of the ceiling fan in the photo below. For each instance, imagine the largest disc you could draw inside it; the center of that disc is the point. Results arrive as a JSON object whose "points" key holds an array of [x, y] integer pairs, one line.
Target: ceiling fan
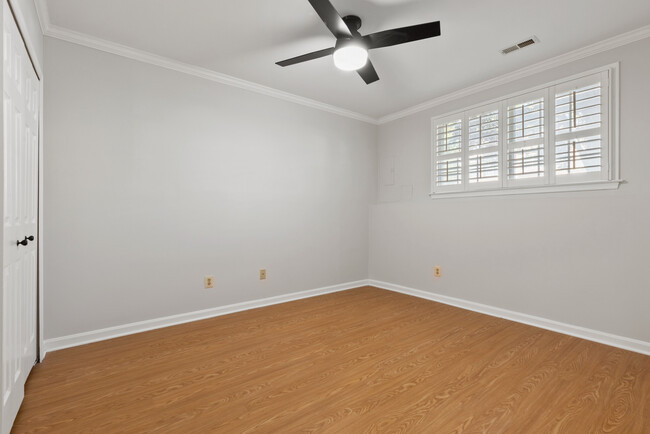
{"points": [[351, 50]]}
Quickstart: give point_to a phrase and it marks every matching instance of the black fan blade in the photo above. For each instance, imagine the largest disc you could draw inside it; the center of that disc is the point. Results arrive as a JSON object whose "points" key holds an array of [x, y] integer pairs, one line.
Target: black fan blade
{"points": [[331, 18], [368, 73], [402, 35], [306, 57]]}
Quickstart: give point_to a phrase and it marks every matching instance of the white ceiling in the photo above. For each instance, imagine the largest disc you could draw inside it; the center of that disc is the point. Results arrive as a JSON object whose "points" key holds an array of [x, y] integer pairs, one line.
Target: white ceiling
{"points": [[244, 39]]}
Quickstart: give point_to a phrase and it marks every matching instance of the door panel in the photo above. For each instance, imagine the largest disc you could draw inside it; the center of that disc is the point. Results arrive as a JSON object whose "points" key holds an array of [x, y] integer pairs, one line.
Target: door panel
{"points": [[20, 146]]}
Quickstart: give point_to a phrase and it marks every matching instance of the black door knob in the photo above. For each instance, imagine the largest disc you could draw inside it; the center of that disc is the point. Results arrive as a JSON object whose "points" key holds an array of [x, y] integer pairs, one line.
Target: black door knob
{"points": [[30, 238], [23, 242]]}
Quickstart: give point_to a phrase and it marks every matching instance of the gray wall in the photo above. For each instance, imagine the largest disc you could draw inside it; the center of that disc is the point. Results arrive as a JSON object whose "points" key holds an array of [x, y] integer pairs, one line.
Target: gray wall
{"points": [[135, 152], [155, 179], [579, 258]]}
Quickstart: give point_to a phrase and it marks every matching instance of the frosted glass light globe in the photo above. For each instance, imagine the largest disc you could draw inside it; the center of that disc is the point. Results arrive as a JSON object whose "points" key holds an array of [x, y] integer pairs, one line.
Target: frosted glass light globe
{"points": [[350, 57]]}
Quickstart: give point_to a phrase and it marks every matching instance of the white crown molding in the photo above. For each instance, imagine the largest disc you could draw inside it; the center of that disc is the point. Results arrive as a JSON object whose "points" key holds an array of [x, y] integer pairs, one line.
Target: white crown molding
{"points": [[556, 326], [142, 326], [78, 38], [43, 15], [563, 59]]}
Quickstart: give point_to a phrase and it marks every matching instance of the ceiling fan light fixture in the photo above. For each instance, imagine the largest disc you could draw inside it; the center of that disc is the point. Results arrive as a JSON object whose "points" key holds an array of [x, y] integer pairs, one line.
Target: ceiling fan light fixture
{"points": [[350, 55], [351, 50]]}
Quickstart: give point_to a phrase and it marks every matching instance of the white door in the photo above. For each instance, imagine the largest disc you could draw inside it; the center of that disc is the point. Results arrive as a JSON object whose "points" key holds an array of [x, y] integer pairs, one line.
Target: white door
{"points": [[21, 119]]}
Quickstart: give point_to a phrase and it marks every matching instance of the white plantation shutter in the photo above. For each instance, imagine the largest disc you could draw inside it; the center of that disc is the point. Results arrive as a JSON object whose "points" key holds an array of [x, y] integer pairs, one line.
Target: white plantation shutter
{"points": [[552, 136], [483, 142], [581, 129], [525, 144], [448, 152]]}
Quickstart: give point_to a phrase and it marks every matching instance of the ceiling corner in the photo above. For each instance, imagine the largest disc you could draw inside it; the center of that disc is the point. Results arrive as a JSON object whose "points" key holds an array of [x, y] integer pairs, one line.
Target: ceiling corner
{"points": [[43, 15]]}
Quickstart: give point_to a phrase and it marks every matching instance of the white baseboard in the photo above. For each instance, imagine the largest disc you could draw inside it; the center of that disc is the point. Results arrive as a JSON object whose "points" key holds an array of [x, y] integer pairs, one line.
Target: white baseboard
{"points": [[142, 326], [567, 329]]}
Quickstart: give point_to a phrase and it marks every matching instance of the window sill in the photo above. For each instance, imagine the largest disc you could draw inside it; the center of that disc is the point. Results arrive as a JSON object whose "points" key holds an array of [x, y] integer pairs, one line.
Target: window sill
{"points": [[558, 188]]}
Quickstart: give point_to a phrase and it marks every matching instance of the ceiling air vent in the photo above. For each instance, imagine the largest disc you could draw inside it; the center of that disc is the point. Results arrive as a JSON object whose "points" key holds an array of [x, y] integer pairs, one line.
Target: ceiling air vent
{"points": [[523, 44], [509, 49]]}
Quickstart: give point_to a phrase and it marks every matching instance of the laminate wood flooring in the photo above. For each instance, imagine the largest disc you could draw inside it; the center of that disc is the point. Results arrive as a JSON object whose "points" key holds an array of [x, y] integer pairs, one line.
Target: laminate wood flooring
{"points": [[359, 361]]}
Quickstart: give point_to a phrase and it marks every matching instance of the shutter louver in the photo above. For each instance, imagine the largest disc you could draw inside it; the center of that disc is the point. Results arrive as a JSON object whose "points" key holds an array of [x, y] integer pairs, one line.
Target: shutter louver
{"points": [[449, 172], [578, 155], [449, 138], [526, 162], [526, 121]]}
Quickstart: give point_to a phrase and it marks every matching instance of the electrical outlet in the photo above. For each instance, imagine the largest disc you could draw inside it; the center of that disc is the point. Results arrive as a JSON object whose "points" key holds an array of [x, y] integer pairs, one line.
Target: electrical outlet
{"points": [[209, 282], [263, 274], [437, 271]]}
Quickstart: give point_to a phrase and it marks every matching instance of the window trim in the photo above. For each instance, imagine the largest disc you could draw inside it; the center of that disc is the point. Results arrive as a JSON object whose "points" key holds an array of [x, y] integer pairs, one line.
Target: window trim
{"points": [[610, 178]]}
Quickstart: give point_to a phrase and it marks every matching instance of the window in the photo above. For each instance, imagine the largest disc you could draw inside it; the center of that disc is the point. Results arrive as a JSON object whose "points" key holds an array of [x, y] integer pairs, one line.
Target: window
{"points": [[552, 138], [448, 151], [483, 146], [579, 127], [525, 141]]}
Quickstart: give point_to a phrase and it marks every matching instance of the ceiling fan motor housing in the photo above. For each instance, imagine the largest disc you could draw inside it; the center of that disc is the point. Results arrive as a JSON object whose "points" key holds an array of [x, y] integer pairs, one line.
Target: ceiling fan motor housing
{"points": [[353, 22]]}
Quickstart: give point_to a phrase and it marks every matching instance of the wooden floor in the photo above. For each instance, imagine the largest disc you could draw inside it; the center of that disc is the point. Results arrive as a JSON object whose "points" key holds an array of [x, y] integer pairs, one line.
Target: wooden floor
{"points": [[364, 360]]}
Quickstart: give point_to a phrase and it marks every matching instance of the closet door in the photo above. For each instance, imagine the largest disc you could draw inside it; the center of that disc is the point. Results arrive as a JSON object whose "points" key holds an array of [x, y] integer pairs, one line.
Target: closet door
{"points": [[20, 222]]}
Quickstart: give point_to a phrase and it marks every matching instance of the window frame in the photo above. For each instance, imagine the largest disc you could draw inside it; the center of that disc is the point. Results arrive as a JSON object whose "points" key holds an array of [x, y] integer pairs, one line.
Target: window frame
{"points": [[606, 179]]}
